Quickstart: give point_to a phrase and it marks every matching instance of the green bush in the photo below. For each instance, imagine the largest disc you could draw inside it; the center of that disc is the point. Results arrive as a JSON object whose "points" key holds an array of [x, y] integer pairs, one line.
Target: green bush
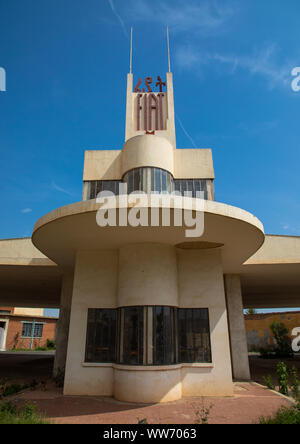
{"points": [[12, 389], [10, 414], [51, 345], [285, 415], [283, 346], [294, 382], [269, 382], [283, 378]]}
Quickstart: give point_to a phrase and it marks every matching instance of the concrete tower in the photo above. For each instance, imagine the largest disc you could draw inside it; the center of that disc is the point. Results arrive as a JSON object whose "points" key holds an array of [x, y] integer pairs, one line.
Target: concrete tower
{"points": [[150, 317]]}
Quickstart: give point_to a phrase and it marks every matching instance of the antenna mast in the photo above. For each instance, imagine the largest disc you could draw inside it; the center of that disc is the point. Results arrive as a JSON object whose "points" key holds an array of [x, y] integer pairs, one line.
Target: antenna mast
{"points": [[168, 44], [130, 66]]}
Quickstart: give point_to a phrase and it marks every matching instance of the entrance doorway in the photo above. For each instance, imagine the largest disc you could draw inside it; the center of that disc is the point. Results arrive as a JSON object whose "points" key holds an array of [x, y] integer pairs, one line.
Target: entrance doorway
{"points": [[2, 335]]}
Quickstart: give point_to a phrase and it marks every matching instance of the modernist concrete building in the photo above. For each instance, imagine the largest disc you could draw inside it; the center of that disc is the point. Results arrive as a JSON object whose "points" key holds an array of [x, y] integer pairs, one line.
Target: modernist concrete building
{"points": [[147, 313]]}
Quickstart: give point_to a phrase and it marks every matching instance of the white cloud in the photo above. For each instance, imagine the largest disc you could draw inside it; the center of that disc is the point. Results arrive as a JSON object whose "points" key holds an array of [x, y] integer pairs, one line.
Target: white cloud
{"points": [[119, 18], [182, 16], [185, 132], [264, 63], [60, 189], [26, 210]]}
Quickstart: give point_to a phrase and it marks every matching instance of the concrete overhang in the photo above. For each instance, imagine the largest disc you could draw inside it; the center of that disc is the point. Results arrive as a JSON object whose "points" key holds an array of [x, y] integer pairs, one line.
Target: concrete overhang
{"points": [[72, 228], [271, 277], [27, 277]]}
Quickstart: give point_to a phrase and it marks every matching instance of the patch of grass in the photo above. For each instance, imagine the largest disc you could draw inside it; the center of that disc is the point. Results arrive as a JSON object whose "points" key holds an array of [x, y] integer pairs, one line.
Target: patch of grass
{"points": [[12, 389], [10, 414], [285, 415]]}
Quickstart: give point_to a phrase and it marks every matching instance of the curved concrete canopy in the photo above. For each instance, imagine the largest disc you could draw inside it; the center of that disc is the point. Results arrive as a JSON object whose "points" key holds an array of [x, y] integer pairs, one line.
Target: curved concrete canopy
{"points": [[66, 230], [27, 277], [271, 277]]}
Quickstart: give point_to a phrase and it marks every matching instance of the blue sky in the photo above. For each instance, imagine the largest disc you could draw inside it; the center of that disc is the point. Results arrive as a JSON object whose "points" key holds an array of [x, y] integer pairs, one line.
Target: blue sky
{"points": [[66, 63]]}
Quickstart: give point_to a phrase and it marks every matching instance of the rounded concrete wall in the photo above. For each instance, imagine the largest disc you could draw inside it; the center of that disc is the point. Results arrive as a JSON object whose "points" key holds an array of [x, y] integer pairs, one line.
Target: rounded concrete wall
{"points": [[147, 386], [147, 275], [147, 151]]}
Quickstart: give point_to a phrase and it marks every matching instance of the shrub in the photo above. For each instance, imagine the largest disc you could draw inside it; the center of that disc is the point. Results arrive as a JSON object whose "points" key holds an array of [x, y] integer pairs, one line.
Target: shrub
{"points": [[283, 347], [269, 382], [12, 389], [294, 382], [59, 378], [51, 344], [283, 378], [10, 414], [285, 415]]}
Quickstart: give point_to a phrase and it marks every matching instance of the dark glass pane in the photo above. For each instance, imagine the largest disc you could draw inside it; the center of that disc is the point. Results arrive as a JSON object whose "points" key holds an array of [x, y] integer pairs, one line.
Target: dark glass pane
{"points": [[157, 175], [133, 336], [137, 180], [27, 329], [163, 336], [169, 183], [152, 180], [101, 335], [194, 335], [93, 191], [130, 182], [98, 187], [177, 185], [38, 330], [163, 181]]}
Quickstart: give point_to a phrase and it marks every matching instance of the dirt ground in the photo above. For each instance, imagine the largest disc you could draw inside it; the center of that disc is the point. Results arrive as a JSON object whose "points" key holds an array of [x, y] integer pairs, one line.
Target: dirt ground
{"points": [[262, 367], [250, 401]]}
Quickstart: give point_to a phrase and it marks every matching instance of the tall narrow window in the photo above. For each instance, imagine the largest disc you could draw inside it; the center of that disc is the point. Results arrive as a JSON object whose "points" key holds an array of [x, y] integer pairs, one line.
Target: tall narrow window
{"points": [[164, 335], [101, 335], [132, 335], [194, 336]]}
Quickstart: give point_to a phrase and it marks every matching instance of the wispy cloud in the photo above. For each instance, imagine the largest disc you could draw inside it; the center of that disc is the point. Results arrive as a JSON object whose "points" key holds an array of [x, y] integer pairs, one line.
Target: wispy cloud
{"points": [[182, 16], [264, 63], [60, 189], [26, 210], [119, 18], [258, 127], [185, 132]]}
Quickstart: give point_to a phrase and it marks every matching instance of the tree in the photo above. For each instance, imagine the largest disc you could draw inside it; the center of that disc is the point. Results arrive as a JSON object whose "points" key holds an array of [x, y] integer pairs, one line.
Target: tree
{"points": [[280, 333], [251, 311]]}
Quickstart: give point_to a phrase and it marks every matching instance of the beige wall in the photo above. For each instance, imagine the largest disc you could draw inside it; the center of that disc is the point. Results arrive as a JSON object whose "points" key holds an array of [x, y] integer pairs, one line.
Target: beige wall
{"points": [[201, 285], [148, 274], [29, 311], [140, 151], [95, 286]]}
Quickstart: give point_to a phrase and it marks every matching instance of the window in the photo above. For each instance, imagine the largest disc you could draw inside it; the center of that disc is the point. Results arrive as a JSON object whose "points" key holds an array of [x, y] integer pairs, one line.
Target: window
{"points": [[31, 329], [96, 186], [150, 335], [164, 350], [148, 180], [193, 335], [131, 327], [101, 335], [193, 186]]}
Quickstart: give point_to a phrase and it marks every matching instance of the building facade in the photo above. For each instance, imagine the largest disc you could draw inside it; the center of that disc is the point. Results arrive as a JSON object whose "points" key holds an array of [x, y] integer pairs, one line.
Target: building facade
{"points": [[259, 333], [151, 285], [25, 328]]}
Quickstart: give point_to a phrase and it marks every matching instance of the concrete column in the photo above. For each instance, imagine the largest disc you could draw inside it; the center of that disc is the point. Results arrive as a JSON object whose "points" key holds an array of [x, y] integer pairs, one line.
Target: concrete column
{"points": [[237, 331], [62, 329]]}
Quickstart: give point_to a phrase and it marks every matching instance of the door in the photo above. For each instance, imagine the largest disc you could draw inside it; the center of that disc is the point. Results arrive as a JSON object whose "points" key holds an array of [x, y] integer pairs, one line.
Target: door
{"points": [[2, 335]]}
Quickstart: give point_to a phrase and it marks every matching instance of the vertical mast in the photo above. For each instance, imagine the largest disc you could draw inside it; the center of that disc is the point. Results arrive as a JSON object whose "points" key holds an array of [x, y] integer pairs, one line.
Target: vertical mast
{"points": [[168, 44], [130, 63]]}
